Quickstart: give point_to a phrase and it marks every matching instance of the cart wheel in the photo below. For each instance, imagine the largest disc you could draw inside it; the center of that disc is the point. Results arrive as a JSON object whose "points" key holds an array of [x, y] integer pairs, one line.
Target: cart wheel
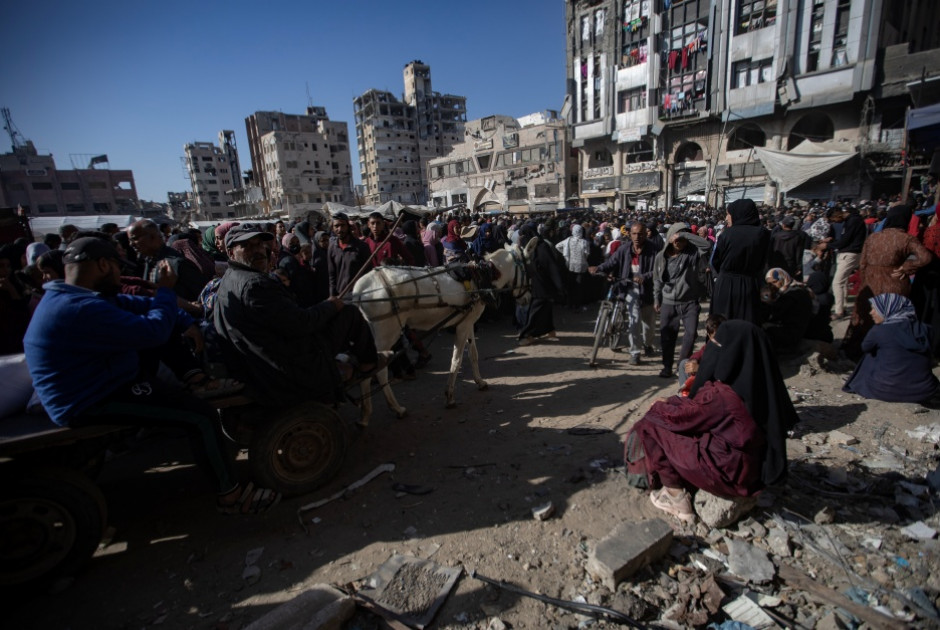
{"points": [[299, 451], [51, 521]]}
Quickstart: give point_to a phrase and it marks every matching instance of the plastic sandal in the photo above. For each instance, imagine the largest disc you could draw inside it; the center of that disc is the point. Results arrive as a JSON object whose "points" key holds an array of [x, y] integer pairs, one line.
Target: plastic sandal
{"points": [[251, 501]]}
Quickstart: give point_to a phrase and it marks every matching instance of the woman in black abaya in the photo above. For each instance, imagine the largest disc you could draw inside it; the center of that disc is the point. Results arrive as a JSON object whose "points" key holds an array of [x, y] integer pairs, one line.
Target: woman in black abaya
{"points": [[739, 261]]}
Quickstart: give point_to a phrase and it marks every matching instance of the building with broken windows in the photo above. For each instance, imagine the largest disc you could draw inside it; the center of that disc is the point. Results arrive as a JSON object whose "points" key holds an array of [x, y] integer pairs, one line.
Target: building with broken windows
{"points": [[397, 138], [213, 172], [32, 181], [714, 100], [299, 161], [519, 165]]}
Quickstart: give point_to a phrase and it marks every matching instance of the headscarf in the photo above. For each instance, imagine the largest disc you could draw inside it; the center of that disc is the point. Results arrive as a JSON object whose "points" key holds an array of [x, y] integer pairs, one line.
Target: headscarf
{"points": [[208, 241], [777, 275], [34, 251], [899, 217], [432, 234], [743, 359], [453, 240], [286, 239], [186, 245], [893, 308], [301, 231], [316, 240], [222, 229], [744, 212], [577, 231], [527, 232]]}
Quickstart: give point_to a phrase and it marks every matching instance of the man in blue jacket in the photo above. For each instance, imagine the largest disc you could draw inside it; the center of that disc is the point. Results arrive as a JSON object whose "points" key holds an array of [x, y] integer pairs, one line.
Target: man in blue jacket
{"points": [[92, 354]]}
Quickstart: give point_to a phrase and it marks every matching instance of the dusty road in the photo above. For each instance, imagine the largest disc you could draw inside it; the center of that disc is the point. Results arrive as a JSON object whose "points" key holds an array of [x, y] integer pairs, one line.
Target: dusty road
{"points": [[173, 562]]}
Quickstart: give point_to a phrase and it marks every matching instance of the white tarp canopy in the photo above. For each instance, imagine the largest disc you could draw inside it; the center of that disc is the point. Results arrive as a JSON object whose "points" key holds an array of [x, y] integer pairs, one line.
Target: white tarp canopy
{"points": [[46, 225], [806, 161]]}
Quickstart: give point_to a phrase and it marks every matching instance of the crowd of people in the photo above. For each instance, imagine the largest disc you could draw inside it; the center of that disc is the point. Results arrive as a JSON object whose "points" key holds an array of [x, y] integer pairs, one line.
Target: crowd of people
{"points": [[97, 312]]}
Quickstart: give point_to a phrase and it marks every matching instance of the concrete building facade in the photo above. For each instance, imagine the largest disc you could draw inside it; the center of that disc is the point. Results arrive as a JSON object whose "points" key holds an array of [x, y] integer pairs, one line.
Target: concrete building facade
{"points": [[299, 161], [520, 165], [673, 101], [213, 172], [397, 138], [32, 181]]}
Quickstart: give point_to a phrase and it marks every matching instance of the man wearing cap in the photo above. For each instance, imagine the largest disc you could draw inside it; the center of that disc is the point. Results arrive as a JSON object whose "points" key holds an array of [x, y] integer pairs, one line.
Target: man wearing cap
{"points": [[283, 351], [92, 355], [346, 255], [786, 247], [392, 251]]}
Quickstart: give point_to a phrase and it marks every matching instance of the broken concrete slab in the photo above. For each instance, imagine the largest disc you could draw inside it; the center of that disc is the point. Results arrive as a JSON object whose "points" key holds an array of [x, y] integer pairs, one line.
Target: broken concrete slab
{"points": [[627, 549], [838, 437], [749, 563], [919, 531], [718, 512], [321, 607]]}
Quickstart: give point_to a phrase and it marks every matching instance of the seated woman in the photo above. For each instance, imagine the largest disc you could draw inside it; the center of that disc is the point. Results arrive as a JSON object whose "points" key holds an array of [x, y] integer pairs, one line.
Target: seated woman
{"points": [[728, 438], [896, 360], [790, 310]]}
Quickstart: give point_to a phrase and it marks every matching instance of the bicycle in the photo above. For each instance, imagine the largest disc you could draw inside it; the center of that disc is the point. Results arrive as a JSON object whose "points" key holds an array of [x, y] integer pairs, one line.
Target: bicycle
{"points": [[610, 323]]}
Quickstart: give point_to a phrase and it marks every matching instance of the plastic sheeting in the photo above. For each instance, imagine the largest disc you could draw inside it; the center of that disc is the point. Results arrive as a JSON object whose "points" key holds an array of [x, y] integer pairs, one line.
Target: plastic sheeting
{"points": [[44, 225], [806, 161]]}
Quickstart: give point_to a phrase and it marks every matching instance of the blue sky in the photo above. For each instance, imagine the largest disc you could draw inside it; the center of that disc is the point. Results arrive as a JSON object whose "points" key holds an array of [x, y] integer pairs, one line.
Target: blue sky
{"points": [[137, 80]]}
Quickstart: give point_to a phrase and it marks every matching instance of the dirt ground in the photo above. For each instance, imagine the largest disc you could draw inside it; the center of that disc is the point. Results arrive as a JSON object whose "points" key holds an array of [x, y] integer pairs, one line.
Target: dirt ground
{"points": [[172, 561]]}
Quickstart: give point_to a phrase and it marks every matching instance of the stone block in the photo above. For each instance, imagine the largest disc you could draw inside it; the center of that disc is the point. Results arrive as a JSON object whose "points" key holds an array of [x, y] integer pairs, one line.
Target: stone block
{"points": [[627, 549], [718, 512], [321, 607]]}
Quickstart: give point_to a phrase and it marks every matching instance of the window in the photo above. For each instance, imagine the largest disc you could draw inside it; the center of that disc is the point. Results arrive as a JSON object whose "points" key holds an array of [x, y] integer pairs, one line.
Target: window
{"points": [[207, 158], [47, 208], [631, 100], [102, 208], [636, 15], [749, 72], [484, 161], [16, 186], [74, 207], [815, 35], [839, 51], [755, 14], [70, 186], [42, 185], [517, 193]]}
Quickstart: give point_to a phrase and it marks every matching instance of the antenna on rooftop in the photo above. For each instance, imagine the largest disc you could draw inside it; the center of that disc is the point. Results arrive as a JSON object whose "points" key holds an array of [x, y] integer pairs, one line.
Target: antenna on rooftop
{"points": [[309, 98]]}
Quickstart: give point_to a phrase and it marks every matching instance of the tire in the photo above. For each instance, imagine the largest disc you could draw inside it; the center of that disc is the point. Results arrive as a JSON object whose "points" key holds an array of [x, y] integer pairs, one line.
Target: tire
{"points": [[600, 331], [616, 328], [298, 451], [51, 521]]}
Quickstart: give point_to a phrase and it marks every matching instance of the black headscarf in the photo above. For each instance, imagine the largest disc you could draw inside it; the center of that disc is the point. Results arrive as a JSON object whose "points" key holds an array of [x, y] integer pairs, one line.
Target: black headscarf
{"points": [[302, 232], [744, 212], [898, 217], [527, 232], [744, 360]]}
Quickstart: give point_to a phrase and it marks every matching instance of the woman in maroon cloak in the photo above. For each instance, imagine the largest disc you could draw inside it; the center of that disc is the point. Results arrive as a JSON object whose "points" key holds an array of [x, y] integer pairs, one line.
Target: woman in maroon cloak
{"points": [[728, 437]]}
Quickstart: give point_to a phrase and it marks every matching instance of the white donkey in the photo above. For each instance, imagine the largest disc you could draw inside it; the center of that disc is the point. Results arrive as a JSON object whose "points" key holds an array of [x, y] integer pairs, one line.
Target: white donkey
{"points": [[428, 298]]}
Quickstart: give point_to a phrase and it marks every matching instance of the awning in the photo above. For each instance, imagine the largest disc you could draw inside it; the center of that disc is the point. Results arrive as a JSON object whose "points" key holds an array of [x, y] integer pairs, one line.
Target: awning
{"points": [[598, 195], [755, 193], [45, 225], [806, 161]]}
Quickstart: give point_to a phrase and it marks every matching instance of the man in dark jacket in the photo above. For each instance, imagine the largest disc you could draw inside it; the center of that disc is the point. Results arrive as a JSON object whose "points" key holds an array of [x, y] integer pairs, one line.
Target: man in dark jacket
{"points": [[346, 256], [786, 247], [848, 249], [145, 237], [678, 286], [285, 352], [633, 264]]}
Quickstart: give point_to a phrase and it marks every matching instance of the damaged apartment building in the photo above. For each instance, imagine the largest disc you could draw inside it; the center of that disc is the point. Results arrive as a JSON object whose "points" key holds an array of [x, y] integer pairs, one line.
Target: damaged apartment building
{"points": [[674, 101], [519, 165], [396, 138], [214, 173], [299, 161]]}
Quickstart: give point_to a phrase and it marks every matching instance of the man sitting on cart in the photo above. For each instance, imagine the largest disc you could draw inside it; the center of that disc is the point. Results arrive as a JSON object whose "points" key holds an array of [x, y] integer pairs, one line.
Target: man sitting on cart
{"points": [[286, 353], [93, 353]]}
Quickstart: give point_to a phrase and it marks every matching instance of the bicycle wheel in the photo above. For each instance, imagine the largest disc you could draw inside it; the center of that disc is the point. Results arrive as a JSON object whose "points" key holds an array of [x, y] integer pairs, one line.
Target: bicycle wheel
{"points": [[601, 330], [616, 328]]}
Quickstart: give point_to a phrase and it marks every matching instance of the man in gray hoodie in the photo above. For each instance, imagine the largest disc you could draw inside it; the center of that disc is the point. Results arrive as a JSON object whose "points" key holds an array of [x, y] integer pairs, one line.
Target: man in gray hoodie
{"points": [[678, 286]]}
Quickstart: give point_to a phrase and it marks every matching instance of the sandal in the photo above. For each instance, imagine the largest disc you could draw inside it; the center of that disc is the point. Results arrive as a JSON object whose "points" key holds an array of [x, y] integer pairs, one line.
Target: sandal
{"points": [[207, 387], [251, 501], [679, 506]]}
